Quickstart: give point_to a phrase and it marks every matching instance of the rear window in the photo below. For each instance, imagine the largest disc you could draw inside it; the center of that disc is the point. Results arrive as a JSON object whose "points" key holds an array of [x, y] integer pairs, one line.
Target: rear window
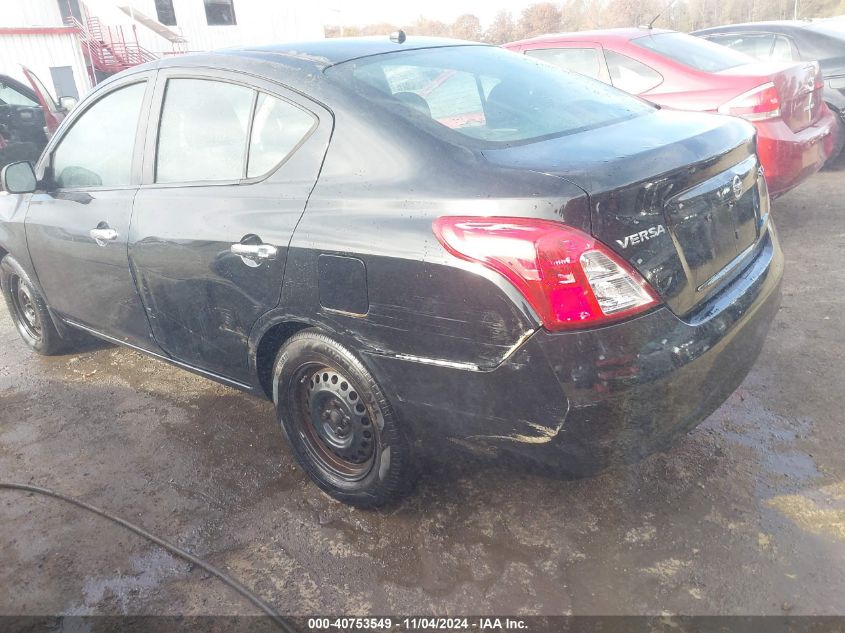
{"points": [[692, 52], [485, 95]]}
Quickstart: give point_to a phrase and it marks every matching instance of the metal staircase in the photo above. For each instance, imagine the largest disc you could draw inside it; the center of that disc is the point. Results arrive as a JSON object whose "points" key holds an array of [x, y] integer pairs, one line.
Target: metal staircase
{"points": [[107, 48]]}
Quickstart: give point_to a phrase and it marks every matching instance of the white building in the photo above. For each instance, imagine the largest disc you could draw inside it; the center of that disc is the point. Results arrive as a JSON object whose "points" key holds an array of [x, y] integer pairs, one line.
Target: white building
{"points": [[33, 34], [209, 24], [106, 36]]}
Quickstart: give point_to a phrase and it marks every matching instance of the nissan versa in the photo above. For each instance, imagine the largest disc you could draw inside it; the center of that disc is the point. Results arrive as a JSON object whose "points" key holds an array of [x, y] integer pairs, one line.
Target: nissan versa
{"points": [[401, 242]]}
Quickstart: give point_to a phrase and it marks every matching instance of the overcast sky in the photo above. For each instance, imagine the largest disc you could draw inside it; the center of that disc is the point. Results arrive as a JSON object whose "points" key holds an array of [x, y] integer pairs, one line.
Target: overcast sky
{"points": [[360, 12]]}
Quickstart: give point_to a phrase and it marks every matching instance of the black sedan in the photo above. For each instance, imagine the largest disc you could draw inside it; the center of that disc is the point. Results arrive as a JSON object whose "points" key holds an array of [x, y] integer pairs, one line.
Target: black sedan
{"points": [[795, 40], [404, 242]]}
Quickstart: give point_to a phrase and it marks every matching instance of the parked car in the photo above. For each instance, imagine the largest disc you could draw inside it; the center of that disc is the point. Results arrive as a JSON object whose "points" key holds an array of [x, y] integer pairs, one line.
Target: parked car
{"points": [[796, 40], [796, 131], [560, 270], [28, 116]]}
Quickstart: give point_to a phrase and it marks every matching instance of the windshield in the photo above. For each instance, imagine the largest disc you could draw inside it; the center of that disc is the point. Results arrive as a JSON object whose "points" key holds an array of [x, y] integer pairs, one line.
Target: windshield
{"points": [[9, 95], [693, 52], [485, 94]]}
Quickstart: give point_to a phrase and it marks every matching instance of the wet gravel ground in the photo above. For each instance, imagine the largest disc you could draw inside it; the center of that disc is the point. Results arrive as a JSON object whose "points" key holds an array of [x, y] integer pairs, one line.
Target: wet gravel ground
{"points": [[745, 515]]}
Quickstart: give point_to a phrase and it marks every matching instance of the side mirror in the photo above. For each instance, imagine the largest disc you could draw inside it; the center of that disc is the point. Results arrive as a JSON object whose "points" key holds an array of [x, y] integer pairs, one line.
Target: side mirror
{"points": [[19, 178], [68, 103]]}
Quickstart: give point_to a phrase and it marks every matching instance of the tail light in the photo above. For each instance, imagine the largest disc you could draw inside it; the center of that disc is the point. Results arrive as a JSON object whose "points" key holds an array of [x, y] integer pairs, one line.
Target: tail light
{"points": [[759, 104], [570, 279]]}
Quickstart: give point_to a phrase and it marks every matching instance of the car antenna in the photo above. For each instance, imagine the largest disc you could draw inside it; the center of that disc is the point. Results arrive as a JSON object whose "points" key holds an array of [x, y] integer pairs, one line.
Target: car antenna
{"points": [[656, 17]]}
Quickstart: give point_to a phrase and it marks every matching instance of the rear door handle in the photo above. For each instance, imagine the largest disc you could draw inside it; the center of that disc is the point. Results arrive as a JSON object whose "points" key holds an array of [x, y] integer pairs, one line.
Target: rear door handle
{"points": [[255, 251], [103, 235]]}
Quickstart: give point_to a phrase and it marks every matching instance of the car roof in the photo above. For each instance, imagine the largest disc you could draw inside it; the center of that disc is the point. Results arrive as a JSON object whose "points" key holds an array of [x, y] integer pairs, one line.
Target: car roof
{"points": [[296, 64], [757, 26], [622, 34], [331, 51]]}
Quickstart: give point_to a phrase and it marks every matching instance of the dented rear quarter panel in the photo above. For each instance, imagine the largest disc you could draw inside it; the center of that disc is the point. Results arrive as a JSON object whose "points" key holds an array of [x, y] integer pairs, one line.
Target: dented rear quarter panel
{"points": [[381, 187]]}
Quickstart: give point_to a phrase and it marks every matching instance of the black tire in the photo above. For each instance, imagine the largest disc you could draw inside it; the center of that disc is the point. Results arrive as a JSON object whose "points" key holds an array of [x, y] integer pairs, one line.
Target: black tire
{"points": [[29, 310], [339, 423], [833, 159]]}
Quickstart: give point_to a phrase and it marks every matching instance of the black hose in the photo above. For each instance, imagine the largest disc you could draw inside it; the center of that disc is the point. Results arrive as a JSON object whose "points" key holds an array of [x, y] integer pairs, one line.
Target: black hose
{"points": [[173, 549]]}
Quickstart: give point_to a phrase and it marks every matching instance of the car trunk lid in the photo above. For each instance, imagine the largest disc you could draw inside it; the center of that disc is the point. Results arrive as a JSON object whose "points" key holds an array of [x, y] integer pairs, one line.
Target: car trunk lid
{"points": [[677, 195], [799, 88]]}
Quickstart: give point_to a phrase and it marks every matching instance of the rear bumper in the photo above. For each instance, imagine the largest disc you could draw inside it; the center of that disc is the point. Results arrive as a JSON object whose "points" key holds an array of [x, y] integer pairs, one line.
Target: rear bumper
{"points": [[788, 157], [594, 396]]}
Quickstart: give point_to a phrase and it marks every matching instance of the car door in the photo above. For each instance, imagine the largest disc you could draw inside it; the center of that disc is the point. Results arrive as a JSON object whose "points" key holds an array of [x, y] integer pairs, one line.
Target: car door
{"points": [[22, 123], [228, 171], [53, 113], [78, 222]]}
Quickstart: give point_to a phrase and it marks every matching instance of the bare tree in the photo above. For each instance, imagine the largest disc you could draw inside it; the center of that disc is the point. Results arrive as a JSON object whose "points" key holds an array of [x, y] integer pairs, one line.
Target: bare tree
{"points": [[424, 26], [631, 12], [467, 27], [577, 15], [345, 31], [502, 28], [382, 28], [539, 19]]}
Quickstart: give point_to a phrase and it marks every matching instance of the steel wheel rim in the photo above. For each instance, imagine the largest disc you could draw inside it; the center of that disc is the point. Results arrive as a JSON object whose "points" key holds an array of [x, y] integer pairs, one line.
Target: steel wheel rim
{"points": [[334, 423], [25, 308]]}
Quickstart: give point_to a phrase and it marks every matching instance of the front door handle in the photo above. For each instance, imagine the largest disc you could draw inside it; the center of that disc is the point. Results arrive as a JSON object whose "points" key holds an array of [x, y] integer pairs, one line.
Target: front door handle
{"points": [[255, 251], [103, 235]]}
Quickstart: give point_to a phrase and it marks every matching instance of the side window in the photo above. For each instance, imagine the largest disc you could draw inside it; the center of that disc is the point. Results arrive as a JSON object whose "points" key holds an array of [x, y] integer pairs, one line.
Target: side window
{"points": [[97, 151], [277, 129], [630, 75], [585, 61], [203, 131]]}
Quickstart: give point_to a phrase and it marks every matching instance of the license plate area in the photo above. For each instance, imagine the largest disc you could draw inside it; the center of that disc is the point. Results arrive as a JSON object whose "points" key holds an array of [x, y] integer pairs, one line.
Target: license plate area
{"points": [[715, 221]]}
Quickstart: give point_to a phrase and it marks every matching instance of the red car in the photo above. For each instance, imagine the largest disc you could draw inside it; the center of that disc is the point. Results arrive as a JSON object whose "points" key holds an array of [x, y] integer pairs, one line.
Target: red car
{"points": [[796, 130]]}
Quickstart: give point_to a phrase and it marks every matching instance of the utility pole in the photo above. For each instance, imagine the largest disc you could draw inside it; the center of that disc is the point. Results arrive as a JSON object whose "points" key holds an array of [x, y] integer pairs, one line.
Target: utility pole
{"points": [[797, 2]]}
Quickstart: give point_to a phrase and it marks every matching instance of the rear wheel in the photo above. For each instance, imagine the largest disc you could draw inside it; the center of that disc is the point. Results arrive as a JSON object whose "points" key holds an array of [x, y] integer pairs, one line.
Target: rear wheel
{"points": [[341, 427], [833, 159], [29, 310]]}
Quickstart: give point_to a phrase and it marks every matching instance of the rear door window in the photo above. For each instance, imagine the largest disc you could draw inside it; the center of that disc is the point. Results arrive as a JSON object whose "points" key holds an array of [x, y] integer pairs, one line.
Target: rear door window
{"points": [[203, 131], [214, 131], [630, 75], [278, 128], [585, 61]]}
